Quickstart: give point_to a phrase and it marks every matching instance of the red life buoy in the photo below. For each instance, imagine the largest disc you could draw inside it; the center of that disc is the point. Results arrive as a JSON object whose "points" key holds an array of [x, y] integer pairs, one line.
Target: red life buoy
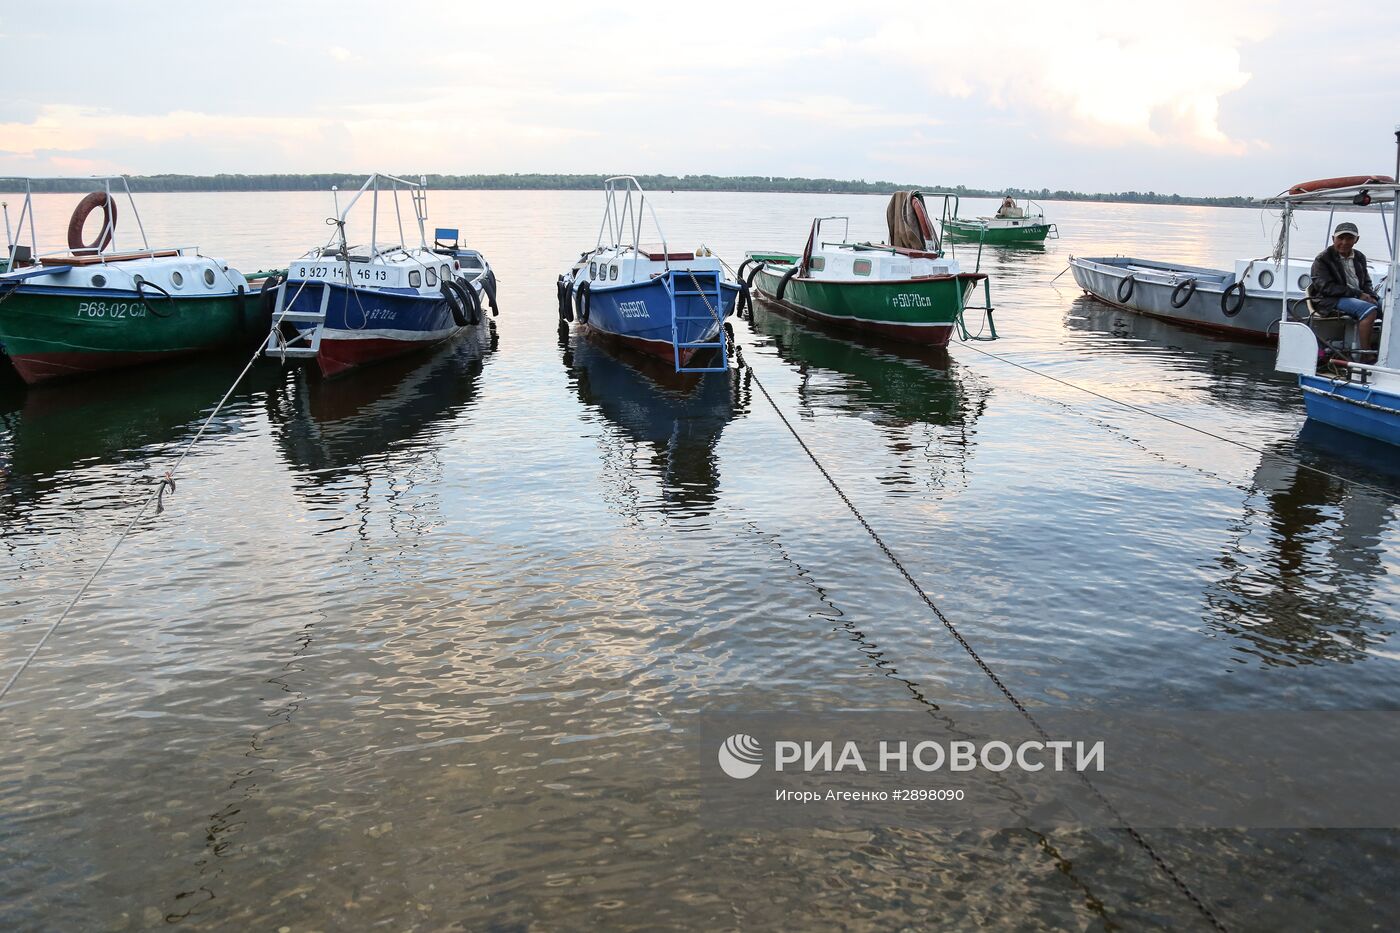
{"points": [[80, 215], [1345, 181]]}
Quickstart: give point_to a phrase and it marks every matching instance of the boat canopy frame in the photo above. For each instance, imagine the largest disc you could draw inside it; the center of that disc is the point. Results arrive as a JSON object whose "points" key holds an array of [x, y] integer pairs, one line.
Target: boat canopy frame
{"points": [[623, 207], [14, 236], [1297, 345], [418, 191]]}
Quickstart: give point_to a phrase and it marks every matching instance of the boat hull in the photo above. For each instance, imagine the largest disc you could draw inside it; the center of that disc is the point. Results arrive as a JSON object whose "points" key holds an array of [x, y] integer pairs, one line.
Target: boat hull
{"points": [[1351, 406], [638, 315], [367, 325], [53, 334], [919, 311], [996, 236], [1151, 294]]}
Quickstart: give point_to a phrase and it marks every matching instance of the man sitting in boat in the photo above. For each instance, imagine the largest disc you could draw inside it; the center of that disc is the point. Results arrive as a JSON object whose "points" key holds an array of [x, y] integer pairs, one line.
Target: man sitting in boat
{"points": [[1009, 209], [1341, 282]]}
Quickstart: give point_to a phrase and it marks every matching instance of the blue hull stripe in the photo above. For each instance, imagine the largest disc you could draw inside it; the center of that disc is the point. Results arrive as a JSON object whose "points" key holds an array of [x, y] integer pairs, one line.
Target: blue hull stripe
{"points": [[393, 315], [642, 310], [1353, 407]]}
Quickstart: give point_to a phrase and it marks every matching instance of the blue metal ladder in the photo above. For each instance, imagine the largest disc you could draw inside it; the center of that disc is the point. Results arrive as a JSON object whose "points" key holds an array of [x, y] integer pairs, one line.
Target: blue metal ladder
{"points": [[679, 284]]}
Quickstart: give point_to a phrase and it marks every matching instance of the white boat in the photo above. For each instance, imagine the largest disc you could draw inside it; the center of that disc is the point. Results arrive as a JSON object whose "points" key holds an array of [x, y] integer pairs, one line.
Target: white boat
{"points": [[1363, 398]]}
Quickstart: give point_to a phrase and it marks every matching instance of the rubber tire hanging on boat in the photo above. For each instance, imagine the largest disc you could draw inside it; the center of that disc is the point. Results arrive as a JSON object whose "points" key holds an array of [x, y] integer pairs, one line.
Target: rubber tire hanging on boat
{"points": [[583, 301], [467, 301], [787, 277], [457, 304], [744, 302], [566, 308], [268, 293], [1225, 307], [753, 274], [142, 285], [1190, 286], [1131, 283], [80, 215], [488, 285]]}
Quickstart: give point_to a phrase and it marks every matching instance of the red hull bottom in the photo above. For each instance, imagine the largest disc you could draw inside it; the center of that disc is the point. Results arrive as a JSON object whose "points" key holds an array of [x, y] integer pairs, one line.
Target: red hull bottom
{"points": [[924, 335], [35, 368], [337, 356], [661, 349]]}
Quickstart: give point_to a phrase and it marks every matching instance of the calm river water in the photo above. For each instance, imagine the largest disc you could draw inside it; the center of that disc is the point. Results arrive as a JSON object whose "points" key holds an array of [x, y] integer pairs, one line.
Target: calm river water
{"points": [[416, 649]]}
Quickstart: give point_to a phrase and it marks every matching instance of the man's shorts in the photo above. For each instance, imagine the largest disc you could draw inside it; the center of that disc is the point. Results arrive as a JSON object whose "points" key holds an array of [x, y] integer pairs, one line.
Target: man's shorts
{"points": [[1355, 307]]}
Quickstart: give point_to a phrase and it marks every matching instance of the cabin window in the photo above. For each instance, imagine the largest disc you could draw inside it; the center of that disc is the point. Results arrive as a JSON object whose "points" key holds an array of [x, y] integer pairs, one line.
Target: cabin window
{"points": [[432, 277], [177, 279], [1266, 279], [446, 273], [612, 273], [209, 277], [137, 280], [99, 280], [592, 270], [1304, 281], [415, 279], [818, 263], [861, 267]]}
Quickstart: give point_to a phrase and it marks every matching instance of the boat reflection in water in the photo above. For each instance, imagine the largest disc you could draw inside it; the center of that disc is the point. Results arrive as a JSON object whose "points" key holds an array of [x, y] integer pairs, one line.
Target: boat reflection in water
{"points": [[368, 423], [923, 402], [1308, 552], [73, 433], [674, 420], [1237, 373]]}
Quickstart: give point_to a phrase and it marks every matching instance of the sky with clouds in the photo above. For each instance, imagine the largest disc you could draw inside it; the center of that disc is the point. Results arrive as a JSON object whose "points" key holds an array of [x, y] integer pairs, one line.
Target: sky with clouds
{"points": [[1205, 98]]}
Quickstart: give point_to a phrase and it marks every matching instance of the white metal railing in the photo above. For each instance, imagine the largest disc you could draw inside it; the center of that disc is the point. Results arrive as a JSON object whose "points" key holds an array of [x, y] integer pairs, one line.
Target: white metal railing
{"points": [[13, 237], [417, 191], [622, 214]]}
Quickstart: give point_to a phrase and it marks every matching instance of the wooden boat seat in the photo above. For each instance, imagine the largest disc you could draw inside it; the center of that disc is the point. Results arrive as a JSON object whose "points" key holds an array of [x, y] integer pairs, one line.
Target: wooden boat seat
{"points": [[658, 253], [92, 259]]}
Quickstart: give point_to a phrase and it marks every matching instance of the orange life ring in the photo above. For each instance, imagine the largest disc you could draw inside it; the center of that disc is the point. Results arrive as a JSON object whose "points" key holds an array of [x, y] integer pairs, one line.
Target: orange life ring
{"points": [[1345, 181], [80, 215], [921, 216]]}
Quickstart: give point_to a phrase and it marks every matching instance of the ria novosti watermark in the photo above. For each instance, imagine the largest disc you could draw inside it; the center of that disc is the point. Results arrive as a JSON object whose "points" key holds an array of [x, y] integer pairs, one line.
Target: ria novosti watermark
{"points": [[995, 770]]}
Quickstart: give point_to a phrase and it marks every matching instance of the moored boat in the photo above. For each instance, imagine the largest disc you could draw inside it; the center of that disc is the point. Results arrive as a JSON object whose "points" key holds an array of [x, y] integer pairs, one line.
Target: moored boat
{"points": [[345, 305], [666, 302], [1242, 304], [1355, 396], [905, 290], [102, 305], [1012, 223]]}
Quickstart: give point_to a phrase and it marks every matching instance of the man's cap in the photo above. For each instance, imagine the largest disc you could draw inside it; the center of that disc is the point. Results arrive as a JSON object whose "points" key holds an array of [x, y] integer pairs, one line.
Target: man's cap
{"points": [[1345, 227]]}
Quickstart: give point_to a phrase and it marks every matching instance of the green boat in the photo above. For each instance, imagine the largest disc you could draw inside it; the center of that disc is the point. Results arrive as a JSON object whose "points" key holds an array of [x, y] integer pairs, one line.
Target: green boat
{"points": [[96, 307], [906, 290], [1012, 223]]}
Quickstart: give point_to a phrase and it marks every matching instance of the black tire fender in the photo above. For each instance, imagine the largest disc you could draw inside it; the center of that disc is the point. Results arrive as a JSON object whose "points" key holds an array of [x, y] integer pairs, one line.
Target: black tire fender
{"points": [[583, 301], [456, 301], [787, 277], [1178, 301], [1126, 286], [1231, 309]]}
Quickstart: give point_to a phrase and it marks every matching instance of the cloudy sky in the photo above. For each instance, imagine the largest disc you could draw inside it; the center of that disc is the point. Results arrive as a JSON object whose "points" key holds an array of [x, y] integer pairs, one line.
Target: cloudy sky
{"points": [[1189, 97]]}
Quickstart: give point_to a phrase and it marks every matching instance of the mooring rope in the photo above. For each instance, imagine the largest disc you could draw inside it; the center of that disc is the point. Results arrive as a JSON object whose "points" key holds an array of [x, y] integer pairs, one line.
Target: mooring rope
{"points": [[986, 669], [157, 496], [1187, 425]]}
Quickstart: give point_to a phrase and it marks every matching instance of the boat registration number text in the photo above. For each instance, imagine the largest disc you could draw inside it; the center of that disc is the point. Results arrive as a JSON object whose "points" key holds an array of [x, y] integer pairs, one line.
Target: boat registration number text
{"points": [[632, 309], [115, 310], [907, 300]]}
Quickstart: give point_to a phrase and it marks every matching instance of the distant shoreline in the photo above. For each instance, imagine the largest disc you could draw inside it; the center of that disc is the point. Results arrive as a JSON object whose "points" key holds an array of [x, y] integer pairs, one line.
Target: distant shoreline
{"points": [[737, 184]]}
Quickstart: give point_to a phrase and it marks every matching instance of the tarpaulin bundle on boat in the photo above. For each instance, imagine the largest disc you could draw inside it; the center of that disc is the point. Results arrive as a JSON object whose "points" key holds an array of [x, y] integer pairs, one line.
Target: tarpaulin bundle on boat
{"points": [[910, 227]]}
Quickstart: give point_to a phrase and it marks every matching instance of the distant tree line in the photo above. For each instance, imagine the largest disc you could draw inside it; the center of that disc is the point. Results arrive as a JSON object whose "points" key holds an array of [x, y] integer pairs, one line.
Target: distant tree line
{"points": [[537, 182]]}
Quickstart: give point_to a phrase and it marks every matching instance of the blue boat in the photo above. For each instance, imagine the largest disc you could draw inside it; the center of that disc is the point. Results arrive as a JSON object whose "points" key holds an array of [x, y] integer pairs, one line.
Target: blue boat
{"points": [[661, 301], [1347, 391], [347, 305]]}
